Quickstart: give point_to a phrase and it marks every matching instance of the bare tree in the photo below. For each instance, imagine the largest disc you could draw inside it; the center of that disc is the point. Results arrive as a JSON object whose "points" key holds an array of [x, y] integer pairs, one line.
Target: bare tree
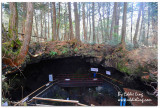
{"points": [[70, 22], [24, 17], [48, 20], [28, 31], [141, 34], [100, 19], [137, 27], [41, 23], [113, 19], [93, 26], [54, 22], [84, 26], [108, 14], [13, 21], [59, 20], [124, 25], [131, 21], [36, 24], [148, 24], [77, 26]]}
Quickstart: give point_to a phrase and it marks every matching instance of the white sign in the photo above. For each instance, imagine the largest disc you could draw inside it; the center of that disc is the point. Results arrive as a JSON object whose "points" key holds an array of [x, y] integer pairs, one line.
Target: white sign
{"points": [[67, 79], [94, 69], [108, 72], [95, 79], [50, 77]]}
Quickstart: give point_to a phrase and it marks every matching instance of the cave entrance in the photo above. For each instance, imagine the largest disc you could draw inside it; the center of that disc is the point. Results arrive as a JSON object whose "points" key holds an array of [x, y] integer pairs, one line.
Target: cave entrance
{"points": [[37, 75]]}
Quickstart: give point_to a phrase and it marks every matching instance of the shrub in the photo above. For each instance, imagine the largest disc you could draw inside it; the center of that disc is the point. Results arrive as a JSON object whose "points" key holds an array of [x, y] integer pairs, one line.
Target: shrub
{"points": [[76, 49], [52, 53], [65, 50]]}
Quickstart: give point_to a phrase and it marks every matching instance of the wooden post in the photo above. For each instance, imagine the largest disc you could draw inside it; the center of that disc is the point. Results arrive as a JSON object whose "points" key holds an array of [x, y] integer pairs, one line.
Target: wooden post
{"points": [[35, 102]]}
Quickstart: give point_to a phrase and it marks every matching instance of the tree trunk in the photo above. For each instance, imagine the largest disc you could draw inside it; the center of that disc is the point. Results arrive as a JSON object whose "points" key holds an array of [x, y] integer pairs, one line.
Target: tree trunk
{"points": [[84, 26], [77, 26], [94, 36], [113, 20], [87, 22], [65, 37], [13, 21], [155, 31], [143, 28], [79, 10], [51, 10], [124, 25], [70, 22], [97, 34], [100, 19], [54, 22], [24, 17], [104, 24], [45, 29], [148, 24], [117, 21], [36, 23], [59, 20], [137, 28], [48, 21], [90, 25], [41, 24], [28, 31], [142, 25], [131, 21], [108, 14]]}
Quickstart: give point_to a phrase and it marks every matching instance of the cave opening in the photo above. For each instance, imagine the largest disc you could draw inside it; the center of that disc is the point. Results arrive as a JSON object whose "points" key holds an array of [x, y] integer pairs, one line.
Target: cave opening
{"points": [[37, 74]]}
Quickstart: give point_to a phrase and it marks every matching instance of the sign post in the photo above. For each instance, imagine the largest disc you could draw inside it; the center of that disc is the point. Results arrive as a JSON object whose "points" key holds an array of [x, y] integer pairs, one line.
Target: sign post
{"points": [[95, 70]]}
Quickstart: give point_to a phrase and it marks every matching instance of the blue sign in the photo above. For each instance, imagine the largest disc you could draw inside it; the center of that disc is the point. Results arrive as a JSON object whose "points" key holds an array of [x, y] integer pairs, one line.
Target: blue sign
{"points": [[123, 101]]}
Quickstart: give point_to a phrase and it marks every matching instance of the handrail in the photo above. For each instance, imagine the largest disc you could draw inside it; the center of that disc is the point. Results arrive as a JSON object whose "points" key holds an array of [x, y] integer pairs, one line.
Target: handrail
{"points": [[56, 100], [78, 78], [60, 100], [113, 85], [43, 90], [110, 78], [32, 93]]}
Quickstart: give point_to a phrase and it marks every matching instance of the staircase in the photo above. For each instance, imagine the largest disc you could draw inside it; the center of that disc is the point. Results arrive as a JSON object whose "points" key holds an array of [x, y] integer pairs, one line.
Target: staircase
{"points": [[78, 80]]}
